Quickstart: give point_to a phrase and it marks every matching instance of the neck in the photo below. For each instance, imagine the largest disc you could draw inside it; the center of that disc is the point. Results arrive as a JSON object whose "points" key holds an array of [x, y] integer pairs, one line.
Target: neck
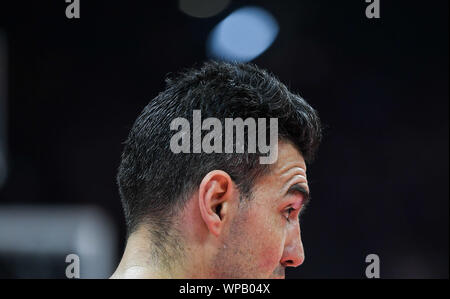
{"points": [[140, 261]]}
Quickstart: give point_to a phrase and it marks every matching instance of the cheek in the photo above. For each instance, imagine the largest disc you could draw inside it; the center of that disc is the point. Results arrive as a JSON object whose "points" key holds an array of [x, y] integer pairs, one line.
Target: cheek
{"points": [[270, 236], [270, 258]]}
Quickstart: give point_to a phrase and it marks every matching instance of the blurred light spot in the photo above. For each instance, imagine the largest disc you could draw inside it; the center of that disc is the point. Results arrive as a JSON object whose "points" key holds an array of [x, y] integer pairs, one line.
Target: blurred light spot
{"points": [[243, 35], [42, 232], [203, 8]]}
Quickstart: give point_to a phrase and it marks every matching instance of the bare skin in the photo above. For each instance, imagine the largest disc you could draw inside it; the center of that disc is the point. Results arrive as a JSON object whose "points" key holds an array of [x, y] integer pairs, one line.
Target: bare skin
{"points": [[225, 239]]}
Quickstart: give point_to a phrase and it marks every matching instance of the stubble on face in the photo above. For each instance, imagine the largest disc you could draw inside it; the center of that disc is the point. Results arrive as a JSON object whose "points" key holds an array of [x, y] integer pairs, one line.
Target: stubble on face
{"points": [[234, 258], [247, 249]]}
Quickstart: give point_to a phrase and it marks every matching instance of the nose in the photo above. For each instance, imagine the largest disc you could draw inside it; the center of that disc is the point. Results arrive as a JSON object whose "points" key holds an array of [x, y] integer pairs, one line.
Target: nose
{"points": [[293, 254]]}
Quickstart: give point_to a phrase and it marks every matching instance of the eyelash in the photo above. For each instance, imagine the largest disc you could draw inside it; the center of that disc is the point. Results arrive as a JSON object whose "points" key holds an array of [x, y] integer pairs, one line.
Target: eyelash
{"points": [[289, 211]]}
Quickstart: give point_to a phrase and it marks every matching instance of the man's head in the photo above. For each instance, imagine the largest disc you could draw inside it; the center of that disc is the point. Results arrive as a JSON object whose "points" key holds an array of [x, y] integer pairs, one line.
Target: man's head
{"points": [[240, 217]]}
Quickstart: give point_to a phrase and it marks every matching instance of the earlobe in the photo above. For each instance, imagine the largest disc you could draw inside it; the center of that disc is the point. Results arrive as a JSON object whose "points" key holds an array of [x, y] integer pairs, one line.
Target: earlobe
{"points": [[214, 196]]}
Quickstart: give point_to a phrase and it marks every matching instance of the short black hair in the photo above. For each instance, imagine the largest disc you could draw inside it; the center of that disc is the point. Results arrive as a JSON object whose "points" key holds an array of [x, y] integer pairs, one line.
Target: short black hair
{"points": [[154, 182]]}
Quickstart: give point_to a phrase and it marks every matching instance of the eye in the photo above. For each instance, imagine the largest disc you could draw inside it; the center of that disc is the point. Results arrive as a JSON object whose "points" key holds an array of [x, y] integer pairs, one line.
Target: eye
{"points": [[287, 212]]}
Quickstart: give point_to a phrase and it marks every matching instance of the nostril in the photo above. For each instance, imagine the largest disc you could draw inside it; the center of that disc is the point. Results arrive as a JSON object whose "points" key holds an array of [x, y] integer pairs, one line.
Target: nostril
{"points": [[295, 262], [288, 263]]}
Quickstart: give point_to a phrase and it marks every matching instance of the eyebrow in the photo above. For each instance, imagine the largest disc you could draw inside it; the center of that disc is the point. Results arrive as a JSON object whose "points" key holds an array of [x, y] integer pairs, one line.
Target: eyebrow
{"points": [[298, 188]]}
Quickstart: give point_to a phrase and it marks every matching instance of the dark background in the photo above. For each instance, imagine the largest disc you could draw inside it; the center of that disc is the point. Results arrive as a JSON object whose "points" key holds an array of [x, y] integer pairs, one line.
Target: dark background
{"points": [[380, 183]]}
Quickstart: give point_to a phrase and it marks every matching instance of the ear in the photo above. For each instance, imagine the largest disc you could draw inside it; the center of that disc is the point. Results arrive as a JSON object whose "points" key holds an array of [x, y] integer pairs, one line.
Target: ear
{"points": [[216, 196]]}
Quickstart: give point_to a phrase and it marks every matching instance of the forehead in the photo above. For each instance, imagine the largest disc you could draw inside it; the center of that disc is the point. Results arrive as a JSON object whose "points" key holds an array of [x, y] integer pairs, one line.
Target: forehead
{"points": [[288, 157], [290, 168]]}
